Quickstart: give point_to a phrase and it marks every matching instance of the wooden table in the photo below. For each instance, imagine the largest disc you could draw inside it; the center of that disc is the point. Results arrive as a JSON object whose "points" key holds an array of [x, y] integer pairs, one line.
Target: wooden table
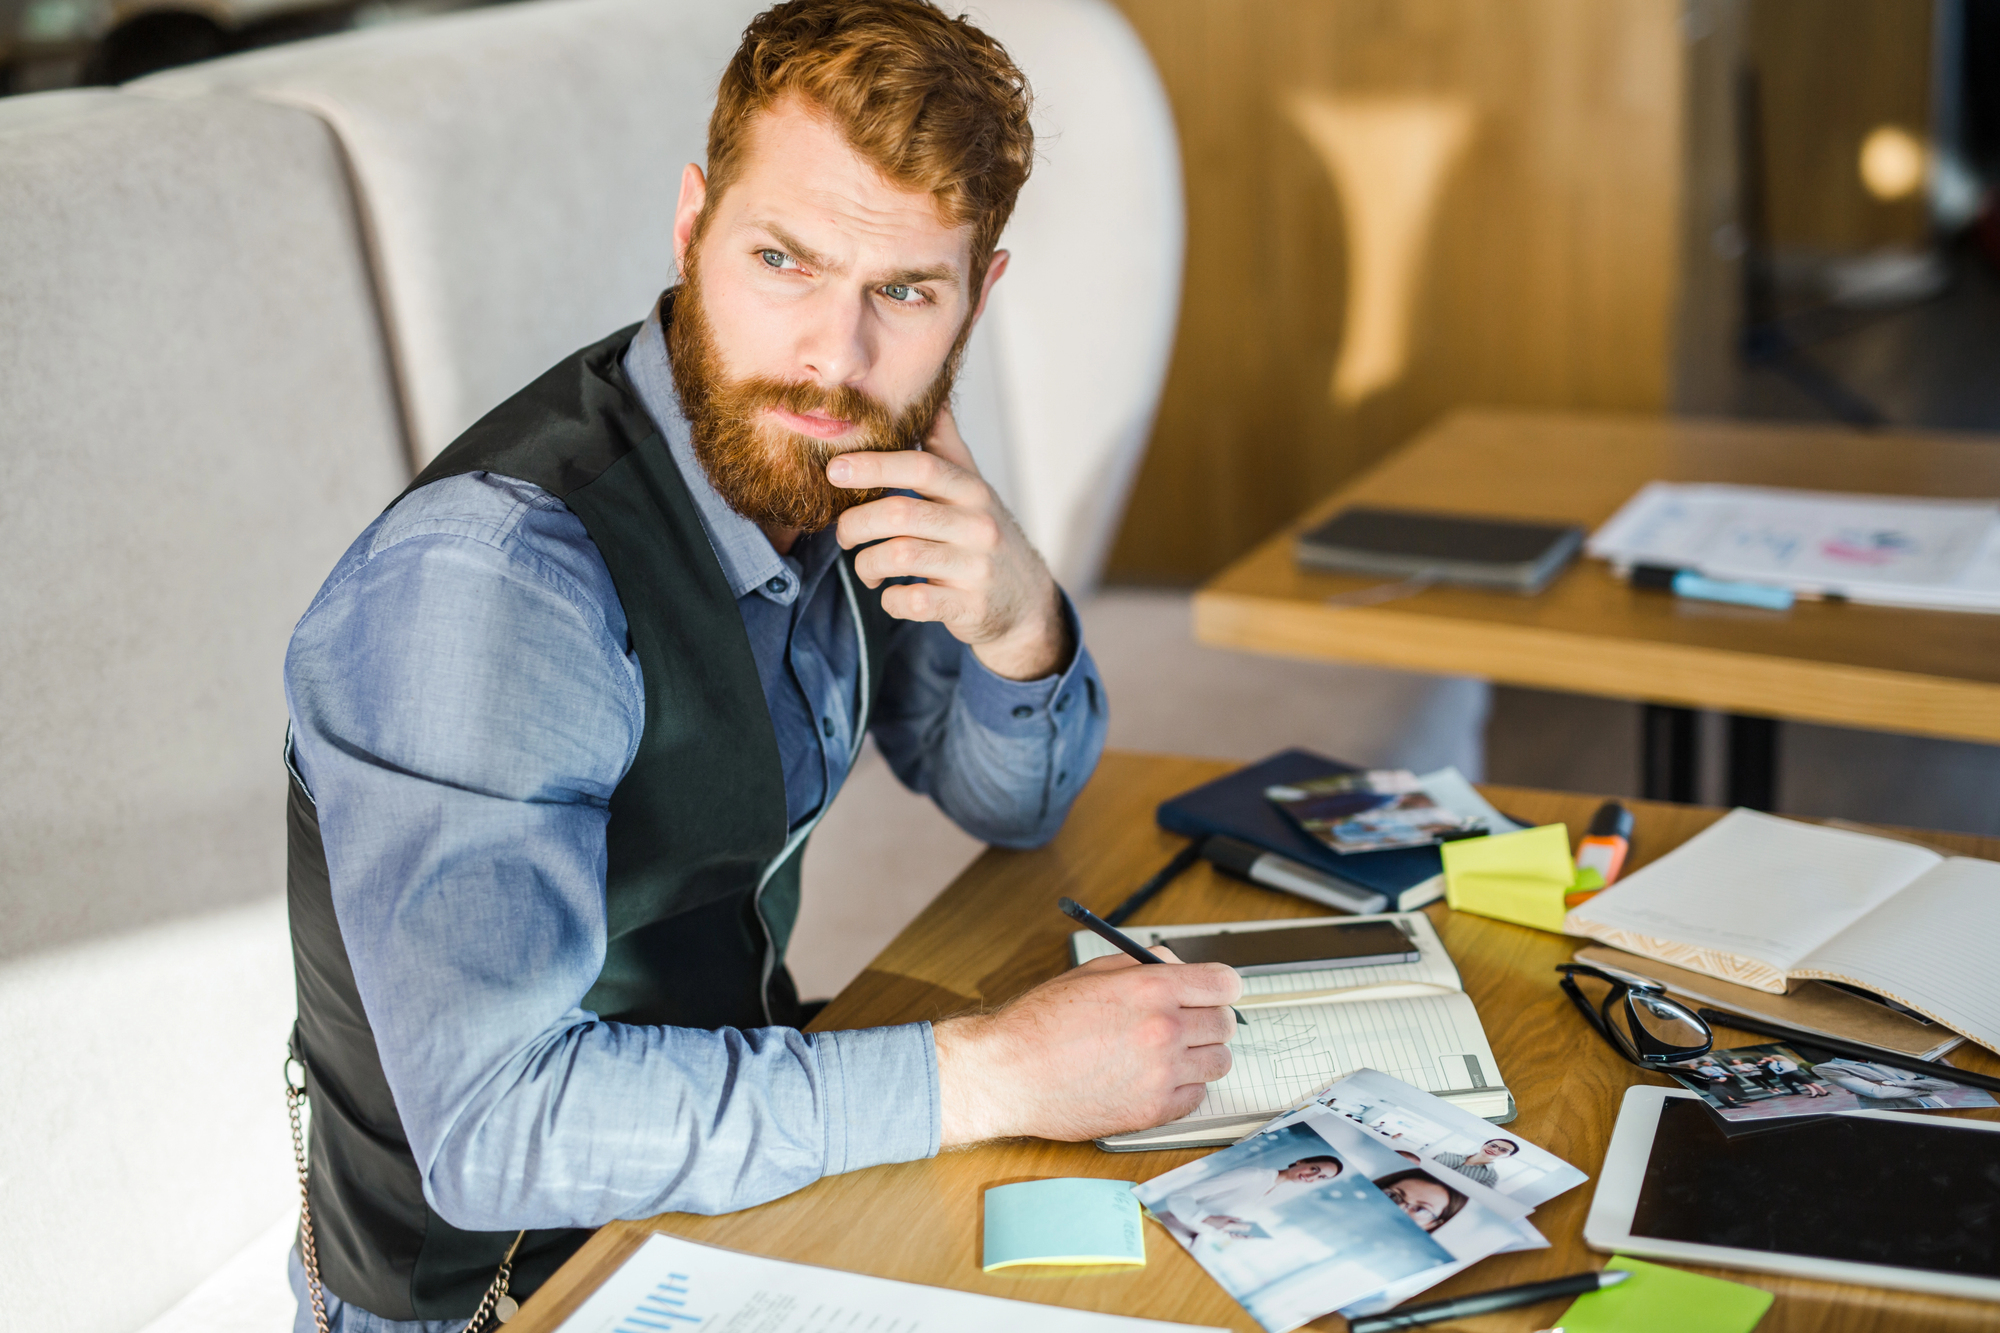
{"points": [[1931, 673], [920, 1221]]}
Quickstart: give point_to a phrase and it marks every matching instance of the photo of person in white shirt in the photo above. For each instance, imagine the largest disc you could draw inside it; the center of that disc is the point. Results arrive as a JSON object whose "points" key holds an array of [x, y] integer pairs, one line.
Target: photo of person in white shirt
{"points": [[1229, 1203]]}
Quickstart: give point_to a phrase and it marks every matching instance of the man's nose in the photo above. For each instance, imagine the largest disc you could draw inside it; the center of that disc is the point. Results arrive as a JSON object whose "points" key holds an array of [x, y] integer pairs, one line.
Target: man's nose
{"points": [[835, 346]]}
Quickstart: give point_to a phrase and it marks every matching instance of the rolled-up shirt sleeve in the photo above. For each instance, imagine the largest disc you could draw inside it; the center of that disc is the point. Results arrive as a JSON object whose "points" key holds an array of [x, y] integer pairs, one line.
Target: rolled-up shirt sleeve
{"points": [[462, 708], [1004, 758]]}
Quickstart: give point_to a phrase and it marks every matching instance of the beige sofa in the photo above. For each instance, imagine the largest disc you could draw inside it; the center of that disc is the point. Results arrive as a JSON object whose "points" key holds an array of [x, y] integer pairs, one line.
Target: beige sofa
{"points": [[237, 303]]}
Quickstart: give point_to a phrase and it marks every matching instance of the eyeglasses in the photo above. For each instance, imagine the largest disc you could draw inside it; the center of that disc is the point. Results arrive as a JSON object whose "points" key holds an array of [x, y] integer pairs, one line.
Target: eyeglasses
{"points": [[1637, 1018]]}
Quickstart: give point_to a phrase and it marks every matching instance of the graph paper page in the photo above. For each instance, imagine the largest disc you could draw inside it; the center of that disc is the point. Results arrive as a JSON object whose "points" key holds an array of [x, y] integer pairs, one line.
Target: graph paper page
{"points": [[1284, 1055]]}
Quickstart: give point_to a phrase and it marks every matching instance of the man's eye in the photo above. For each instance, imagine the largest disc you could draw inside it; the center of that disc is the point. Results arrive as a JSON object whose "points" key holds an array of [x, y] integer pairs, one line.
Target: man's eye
{"points": [[901, 294], [776, 259]]}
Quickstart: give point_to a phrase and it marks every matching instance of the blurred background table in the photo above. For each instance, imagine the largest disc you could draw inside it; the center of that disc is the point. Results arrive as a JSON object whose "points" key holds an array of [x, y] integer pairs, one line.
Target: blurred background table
{"points": [[1930, 673], [996, 931]]}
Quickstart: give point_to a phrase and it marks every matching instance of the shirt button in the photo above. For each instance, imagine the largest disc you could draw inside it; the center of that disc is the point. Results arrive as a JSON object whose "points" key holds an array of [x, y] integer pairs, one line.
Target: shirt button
{"points": [[826, 727], [1062, 778], [1062, 703], [776, 587], [1022, 710]]}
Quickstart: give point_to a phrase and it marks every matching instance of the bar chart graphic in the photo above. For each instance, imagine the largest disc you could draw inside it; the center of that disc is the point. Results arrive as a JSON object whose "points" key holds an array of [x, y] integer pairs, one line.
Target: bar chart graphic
{"points": [[664, 1307]]}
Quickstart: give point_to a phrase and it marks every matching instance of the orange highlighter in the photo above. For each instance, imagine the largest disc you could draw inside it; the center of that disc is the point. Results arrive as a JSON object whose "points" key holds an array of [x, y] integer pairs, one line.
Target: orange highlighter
{"points": [[1603, 851]]}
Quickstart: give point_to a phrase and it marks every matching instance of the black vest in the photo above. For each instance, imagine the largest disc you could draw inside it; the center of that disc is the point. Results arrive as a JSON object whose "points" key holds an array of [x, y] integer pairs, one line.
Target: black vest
{"points": [[698, 917]]}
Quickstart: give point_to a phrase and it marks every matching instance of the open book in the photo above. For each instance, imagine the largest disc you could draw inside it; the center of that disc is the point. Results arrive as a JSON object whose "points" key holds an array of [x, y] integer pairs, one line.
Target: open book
{"points": [[1764, 902], [1306, 1029]]}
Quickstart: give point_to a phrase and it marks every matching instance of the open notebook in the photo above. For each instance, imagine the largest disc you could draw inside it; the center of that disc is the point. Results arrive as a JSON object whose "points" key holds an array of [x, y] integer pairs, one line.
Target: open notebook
{"points": [[1764, 902], [1306, 1029]]}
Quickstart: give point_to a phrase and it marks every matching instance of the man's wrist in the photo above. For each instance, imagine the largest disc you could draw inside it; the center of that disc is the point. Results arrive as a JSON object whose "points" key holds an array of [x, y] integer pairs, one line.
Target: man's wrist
{"points": [[1037, 647], [973, 1102]]}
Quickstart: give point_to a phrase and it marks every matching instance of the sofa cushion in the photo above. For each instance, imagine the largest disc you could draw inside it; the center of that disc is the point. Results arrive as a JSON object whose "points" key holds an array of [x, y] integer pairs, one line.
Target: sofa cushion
{"points": [[199, 419], [518, 169]]}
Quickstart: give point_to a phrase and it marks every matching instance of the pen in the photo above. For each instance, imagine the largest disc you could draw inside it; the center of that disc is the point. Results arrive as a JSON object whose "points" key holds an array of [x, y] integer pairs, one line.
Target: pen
{"points": [[1854, 1050], [1164, 876], [1077, 912], [1248, 861], [1690, 584], [1505, 1298]]}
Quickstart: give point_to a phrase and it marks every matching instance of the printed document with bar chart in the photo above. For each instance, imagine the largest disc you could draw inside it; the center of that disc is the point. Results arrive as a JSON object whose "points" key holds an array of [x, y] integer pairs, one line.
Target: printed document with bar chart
{"points": [[1305, 1029], [672, 1284]]}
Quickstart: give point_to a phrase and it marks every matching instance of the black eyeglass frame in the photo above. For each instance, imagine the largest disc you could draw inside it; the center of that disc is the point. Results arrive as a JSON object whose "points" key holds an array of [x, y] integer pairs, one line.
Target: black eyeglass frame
{"points": [[1632, 1040]]}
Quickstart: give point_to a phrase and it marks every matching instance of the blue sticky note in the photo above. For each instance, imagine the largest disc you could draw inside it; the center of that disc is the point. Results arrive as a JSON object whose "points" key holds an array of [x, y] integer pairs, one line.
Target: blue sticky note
{"points": [[1067, 1221]]}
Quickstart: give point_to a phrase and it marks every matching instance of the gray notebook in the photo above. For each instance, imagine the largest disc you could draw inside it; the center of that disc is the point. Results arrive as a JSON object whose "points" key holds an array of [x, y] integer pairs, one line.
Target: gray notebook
{"points": [[1449, 548]]}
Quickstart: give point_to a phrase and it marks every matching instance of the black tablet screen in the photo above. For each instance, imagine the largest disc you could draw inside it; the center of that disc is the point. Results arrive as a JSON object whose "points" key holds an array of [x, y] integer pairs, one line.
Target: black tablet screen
{"points": [[1865, 1191]]}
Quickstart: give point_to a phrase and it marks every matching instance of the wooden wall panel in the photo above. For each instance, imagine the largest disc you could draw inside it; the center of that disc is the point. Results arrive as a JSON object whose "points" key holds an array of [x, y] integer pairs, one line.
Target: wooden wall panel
{"points": [[1831, 71], [1549, 276]]}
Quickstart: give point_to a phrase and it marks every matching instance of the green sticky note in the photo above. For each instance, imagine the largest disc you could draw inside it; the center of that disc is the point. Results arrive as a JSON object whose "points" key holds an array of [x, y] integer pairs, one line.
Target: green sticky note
{"points": [[1068, 1221], [1519, 877], [1658, 1299]]}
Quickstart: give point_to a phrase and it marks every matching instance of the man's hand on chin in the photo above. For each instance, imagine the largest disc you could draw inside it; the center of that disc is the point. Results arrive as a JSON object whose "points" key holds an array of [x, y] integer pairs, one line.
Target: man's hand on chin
{"points": [[1105, 1048], [985, 583]]}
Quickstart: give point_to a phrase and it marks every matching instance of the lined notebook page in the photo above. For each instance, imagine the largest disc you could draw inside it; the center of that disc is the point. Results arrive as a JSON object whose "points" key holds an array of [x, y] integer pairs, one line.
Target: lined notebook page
{"points": [[1285, 1055], [1751, 886], [1933, 949]]}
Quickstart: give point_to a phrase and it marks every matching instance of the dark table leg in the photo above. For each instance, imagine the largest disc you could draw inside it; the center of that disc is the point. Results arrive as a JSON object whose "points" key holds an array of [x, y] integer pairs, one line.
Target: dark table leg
{"points": [[1753, 762], [1668, 759]]}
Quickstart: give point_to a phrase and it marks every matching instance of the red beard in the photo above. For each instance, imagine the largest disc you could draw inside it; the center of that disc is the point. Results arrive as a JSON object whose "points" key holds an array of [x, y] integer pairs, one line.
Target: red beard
{"points": [[766, 473]]}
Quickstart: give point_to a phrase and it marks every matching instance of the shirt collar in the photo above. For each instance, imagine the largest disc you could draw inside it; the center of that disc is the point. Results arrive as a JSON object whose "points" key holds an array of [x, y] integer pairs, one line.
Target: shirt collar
{"points": [[749, 562]]}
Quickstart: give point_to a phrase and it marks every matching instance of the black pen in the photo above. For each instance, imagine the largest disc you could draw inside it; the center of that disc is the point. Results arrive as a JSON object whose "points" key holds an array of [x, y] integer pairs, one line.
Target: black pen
{"points": [[1166, 875], [1485, 1302], [1077, 912], [1853, 1050]]}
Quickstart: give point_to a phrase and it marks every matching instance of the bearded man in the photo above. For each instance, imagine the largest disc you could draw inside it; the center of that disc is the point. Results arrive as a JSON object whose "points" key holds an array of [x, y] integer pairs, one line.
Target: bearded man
{"points": [[563, 717]]}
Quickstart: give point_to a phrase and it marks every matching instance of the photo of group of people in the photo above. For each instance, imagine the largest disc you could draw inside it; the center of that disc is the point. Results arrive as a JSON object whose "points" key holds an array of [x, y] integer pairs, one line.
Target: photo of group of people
{"points": [[1776, 1080], [1450, 1137], [1315, 1213]]}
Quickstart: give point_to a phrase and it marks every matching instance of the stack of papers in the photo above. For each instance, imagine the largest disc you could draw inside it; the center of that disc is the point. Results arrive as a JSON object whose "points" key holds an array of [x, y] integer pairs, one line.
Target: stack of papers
{"points": [[1883, 549], [1370, 1193]]}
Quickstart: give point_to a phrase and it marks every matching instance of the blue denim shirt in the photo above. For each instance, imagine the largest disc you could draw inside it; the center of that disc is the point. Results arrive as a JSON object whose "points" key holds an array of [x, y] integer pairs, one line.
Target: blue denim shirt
{"points": [[463, 705]]}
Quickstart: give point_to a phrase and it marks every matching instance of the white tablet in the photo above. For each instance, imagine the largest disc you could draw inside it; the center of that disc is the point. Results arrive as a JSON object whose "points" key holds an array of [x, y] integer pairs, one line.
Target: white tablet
{"points": [[1879, 1198]]}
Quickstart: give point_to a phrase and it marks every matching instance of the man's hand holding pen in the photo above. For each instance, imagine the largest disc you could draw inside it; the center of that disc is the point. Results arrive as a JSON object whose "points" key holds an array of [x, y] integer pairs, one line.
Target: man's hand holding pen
{"points": [[1105, 1048]]}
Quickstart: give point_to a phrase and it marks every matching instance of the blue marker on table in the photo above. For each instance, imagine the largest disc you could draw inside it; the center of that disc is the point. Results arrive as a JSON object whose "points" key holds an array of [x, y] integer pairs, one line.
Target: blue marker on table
{"points": [[1687, 583]]}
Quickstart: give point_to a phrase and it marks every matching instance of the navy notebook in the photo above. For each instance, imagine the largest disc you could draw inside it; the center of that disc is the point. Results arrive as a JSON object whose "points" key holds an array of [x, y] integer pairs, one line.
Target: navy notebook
{"points": [[1235, 806]]}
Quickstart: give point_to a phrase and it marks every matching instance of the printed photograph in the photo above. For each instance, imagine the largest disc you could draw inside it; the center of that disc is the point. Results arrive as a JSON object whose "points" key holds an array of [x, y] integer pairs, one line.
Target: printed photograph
{"points": [[1776, 1080], [1291, 1226], [1370, 812], [1412, 1119], [1316, 1213]]}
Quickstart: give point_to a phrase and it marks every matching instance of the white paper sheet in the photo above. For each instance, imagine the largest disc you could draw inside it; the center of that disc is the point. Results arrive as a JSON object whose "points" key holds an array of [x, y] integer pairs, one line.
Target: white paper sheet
{"points": [[1932, 947], [1895, 550], [1758, 887], [674, 1284]]}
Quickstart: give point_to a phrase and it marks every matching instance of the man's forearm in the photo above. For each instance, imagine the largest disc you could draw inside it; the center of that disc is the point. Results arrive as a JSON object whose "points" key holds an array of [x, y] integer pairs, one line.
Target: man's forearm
{"points": [[628, 1122], [1005, 759]]}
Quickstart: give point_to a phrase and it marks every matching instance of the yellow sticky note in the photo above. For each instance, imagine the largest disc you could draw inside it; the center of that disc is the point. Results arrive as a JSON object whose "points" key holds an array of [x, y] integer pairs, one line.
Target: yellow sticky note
{"points": [[1519, 877]]}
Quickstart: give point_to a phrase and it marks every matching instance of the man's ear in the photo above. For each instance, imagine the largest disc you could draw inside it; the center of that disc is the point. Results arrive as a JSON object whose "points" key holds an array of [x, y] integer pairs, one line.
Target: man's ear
{"points": [[694, 196], [994, 268]]}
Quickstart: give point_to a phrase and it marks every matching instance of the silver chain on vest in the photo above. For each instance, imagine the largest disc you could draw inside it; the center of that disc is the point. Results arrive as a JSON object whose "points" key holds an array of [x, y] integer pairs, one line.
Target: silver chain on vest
{"points": [[496, 1302]]}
